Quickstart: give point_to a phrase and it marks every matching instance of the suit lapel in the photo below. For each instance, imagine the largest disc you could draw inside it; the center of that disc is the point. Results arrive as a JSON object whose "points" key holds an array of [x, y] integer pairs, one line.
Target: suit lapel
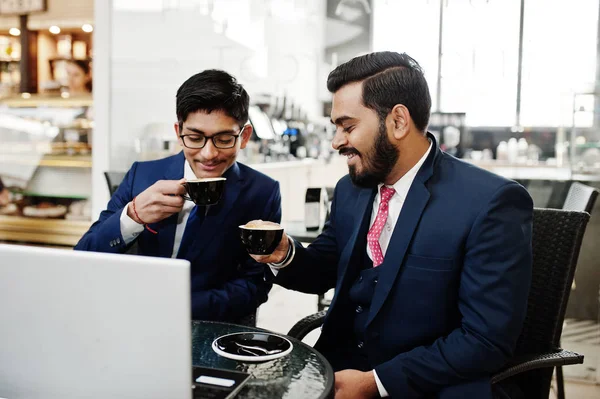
{"points": [[414, 205], [216, 214], [408, 220], [166, 227]]}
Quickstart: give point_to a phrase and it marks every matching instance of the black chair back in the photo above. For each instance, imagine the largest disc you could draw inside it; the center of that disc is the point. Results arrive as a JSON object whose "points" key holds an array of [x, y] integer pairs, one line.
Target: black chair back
{"points": [[113, 179], [580, 197], [556, 241]]}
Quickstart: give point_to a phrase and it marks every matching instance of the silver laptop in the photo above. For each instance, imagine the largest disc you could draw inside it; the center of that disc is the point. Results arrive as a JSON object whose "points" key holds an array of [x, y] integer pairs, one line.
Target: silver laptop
{"points": [[91, 325]]}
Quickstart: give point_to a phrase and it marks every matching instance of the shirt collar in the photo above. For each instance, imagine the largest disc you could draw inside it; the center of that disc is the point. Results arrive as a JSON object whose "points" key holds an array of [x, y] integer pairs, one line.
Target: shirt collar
{"points": [[188, 173]]}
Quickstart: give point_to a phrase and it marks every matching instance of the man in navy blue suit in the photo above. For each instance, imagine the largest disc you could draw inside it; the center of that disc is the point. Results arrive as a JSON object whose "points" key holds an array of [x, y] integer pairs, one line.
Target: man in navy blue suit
{"points": [[148, 209], [430, 256]]}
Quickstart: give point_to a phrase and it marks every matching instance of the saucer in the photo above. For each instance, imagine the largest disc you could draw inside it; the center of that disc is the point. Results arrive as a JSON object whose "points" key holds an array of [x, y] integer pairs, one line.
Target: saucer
{"points": [[252, 346]]}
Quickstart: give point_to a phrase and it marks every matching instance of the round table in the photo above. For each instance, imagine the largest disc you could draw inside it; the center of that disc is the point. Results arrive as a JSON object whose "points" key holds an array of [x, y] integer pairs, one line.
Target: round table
{"points": [[304, 373]]}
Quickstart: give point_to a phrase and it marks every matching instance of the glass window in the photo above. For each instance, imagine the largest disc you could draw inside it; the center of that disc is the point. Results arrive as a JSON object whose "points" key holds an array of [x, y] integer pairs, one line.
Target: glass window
{"points": [[411, 27], [480, 55], [479, 60], [559, 59]]}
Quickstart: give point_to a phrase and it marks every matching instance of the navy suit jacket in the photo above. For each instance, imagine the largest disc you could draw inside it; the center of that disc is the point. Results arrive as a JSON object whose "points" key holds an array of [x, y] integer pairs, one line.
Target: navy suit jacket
{"points": [[226, 284], [451, 296]]}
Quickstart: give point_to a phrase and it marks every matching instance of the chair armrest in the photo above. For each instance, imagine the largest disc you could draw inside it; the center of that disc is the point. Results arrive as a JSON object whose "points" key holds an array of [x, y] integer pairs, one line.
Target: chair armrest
{"points": [[554, 359], [307, 324], [559, 358]]}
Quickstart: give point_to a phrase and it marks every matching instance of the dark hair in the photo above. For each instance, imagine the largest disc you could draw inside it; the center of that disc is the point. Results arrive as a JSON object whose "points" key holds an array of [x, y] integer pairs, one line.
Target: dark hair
{"points": [[389, 78], [84, 65], [212, 90]]}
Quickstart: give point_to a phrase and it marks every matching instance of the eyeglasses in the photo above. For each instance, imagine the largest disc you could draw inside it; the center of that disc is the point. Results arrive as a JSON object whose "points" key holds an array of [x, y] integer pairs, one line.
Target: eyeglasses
{"points": [[222, 140]]}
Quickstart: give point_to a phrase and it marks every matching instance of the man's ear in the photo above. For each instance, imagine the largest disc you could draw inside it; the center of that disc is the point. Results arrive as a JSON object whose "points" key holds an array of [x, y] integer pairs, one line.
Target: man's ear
{"points": [[177, 132], [246, 136], [400, 121]]}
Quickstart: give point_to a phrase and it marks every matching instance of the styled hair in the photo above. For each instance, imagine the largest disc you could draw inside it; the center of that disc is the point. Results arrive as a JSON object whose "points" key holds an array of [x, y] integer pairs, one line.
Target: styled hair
{"points": [[389, 78], [212, 90]]}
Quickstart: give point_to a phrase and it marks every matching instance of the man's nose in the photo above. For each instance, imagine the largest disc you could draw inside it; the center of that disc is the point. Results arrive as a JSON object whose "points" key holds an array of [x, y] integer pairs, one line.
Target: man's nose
{"points": [[209, 151], [339, 139]]}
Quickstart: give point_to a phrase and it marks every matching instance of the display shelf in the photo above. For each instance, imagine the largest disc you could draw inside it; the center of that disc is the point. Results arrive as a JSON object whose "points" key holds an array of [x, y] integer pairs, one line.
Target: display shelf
{"points": [[71, 197], [58, 161], [40, 100], [42, 231]]}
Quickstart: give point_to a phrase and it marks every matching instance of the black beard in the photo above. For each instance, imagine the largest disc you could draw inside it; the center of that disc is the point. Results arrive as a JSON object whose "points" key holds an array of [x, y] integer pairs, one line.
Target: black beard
{"points": [[377, 164]]}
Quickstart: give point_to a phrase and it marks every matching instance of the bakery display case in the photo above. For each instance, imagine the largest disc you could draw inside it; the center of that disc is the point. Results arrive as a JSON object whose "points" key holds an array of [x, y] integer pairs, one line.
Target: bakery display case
{"points": [[45, 164]]}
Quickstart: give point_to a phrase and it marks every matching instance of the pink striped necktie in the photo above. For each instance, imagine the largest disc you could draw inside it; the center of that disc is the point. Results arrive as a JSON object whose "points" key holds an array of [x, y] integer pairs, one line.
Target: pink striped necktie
{"points": [[375, 230]]}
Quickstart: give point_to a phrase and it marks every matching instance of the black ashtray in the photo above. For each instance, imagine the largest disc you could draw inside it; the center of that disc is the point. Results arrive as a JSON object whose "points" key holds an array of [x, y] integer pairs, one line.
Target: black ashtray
{"points": [[252, 346]]}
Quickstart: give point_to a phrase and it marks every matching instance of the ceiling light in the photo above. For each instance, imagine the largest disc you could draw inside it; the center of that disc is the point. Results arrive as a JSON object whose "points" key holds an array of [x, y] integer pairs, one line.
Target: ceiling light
{"points": [[14, 31], [87, 28], [54, 29]]}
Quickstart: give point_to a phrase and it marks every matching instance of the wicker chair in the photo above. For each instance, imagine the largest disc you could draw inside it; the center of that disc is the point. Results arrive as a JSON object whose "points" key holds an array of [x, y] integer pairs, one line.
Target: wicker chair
{"points": [[557, 236], [579, 198]]}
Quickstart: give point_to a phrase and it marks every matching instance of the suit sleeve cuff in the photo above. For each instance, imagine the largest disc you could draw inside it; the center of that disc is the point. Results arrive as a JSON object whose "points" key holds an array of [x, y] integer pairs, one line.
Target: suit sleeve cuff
{"points": [[130, 229], [382, 392], [289, 257]]}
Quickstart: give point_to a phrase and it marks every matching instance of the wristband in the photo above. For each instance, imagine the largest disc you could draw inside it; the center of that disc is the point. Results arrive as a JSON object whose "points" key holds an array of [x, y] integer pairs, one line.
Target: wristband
{"points": [[140, 219]]}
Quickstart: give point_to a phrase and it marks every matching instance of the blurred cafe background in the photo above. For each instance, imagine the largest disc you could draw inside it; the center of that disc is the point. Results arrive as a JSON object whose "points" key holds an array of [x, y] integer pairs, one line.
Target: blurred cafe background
{"points": [[87, 87]]}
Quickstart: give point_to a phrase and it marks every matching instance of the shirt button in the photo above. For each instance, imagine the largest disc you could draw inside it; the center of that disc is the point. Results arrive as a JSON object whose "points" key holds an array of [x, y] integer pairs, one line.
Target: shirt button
{"points": [[360, 345], [375, 281], [359, 309]]}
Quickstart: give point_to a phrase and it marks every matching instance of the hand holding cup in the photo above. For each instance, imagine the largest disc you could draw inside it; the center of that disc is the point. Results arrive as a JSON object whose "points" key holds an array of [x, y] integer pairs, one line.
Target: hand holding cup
{"points": [[157, 202], [265, 241]]}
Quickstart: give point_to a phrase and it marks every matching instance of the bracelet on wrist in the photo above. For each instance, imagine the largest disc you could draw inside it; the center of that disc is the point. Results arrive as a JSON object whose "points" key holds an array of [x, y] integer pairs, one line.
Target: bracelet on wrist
{"points": [[140, 219]]}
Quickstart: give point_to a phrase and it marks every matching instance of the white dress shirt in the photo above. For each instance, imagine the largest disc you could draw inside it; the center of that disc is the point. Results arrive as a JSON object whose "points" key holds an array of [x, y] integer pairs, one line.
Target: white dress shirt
{"points": [[130, 229]]}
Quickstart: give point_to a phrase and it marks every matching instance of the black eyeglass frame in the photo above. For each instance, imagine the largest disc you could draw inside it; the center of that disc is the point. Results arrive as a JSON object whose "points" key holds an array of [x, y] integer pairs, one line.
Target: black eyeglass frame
{"points": [[213, 138]]}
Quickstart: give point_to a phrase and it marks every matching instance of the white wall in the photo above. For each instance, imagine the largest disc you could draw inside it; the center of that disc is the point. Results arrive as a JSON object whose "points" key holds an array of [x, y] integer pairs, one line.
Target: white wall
{"points": [[270, 49], [146, 49], [101, 135]]}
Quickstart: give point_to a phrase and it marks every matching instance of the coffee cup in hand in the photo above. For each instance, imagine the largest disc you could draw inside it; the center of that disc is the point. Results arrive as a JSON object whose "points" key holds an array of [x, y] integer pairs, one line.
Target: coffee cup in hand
{"points": [[261, 237], [206, 191]]}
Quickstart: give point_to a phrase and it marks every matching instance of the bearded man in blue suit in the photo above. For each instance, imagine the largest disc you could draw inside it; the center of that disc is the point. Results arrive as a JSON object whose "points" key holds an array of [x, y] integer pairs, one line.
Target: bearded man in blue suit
{"points": [[148, 208], [430, 257]]}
